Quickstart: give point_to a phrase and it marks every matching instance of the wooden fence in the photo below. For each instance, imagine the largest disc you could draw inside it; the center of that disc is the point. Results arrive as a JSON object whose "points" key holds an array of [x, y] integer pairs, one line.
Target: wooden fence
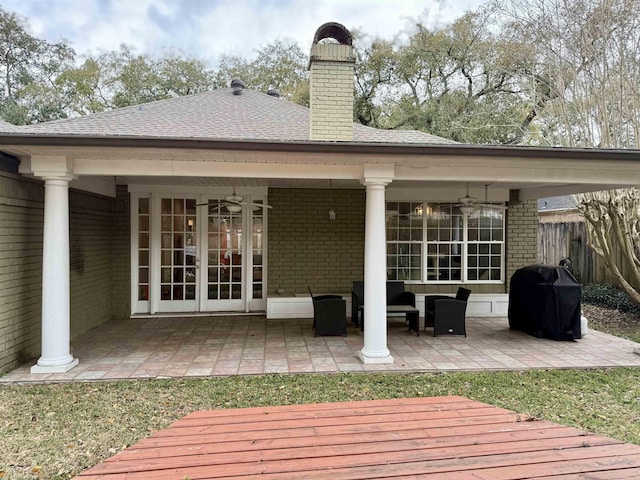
{"points": [[560, 238]]}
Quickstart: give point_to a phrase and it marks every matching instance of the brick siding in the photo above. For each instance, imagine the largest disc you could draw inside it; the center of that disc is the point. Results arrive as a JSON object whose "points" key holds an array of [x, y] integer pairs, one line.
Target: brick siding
{"points": [[21, 233], [306, 248], [121, 248], [331, 92], [522, 234], [90, 245], [21, 223]]}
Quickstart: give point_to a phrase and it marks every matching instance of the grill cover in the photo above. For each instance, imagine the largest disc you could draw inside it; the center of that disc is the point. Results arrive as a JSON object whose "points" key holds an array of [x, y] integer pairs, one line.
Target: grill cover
{"points": [[544, 301]]}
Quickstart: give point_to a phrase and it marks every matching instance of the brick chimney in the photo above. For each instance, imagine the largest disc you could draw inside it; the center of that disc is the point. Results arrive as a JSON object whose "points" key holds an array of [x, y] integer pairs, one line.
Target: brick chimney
{"points": [[331, 65]]}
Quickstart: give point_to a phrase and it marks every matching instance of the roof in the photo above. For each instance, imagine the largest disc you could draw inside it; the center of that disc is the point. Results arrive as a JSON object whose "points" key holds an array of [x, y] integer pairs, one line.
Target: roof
{"points": [[214, 115], [564, 202], [7, 127]]}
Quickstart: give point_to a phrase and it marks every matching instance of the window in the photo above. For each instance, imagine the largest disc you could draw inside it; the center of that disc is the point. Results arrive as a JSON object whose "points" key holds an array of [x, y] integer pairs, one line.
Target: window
{"points": [[435, 242]]}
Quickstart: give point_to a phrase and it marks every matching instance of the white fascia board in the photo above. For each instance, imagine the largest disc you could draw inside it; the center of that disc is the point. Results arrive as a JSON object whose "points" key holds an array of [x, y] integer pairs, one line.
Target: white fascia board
{"points": [[170, 168]]}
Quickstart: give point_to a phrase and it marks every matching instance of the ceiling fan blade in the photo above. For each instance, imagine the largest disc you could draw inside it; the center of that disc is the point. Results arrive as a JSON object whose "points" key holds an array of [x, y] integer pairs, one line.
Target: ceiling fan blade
{"points": [[253, 204]]}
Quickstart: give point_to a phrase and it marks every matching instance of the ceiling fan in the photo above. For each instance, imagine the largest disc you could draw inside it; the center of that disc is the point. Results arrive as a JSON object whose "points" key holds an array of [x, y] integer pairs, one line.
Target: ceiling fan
{"points": [[233, 203], [469, 204]]}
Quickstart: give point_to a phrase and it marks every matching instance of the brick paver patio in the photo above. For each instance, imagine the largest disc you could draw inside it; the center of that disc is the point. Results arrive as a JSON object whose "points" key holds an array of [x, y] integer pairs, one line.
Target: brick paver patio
{"points": [[244, 345]]}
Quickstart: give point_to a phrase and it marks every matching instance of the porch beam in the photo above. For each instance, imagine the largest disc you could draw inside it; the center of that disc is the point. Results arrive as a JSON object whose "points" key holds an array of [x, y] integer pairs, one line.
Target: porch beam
{"points": [[55, 353], [375, 349]]}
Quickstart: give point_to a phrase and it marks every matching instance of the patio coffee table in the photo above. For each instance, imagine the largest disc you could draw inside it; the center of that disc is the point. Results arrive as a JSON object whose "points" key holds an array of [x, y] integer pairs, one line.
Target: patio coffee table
{"points": [[412, 314]]}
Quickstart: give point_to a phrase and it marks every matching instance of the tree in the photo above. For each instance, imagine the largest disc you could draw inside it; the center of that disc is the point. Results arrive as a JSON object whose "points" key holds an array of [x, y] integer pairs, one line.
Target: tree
{"points": [[584, 91], [278, 65], [613, 228], [459, 82], [28, 71], [375, 63], [122, 78], [584, 84]]}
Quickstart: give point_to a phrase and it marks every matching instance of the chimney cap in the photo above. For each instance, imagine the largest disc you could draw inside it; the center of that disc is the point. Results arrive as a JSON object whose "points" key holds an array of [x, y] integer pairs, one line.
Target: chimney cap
{"points": [[333, 30]]}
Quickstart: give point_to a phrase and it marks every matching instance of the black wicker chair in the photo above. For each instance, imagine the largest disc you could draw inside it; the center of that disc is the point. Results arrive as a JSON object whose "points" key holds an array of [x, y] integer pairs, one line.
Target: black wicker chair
{"points": [[329, 314], [357, 302], [396, 295], [446, 314]]}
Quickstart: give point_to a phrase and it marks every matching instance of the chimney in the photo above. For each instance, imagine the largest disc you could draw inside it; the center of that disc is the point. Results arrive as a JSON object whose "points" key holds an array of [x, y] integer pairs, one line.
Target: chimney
{"points": [[331, 65]]}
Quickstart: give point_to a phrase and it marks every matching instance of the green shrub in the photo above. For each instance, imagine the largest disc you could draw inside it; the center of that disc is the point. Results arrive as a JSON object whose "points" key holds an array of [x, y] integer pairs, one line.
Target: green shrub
{"points": [[609, 296]]}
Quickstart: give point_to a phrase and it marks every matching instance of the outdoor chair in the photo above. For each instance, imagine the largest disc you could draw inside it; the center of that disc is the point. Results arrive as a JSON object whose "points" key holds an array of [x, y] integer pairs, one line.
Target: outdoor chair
{"points": [[446, 314], [357, 302], [396, 295], [329, 314]]}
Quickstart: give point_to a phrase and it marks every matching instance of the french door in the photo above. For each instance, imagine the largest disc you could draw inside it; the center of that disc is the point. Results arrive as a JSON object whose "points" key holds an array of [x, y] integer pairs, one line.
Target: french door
{"points": [[188, 257]]}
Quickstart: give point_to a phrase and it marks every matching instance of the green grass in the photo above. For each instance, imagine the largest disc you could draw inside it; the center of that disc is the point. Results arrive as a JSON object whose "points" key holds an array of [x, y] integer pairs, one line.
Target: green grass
{"points": [[56, 431]]}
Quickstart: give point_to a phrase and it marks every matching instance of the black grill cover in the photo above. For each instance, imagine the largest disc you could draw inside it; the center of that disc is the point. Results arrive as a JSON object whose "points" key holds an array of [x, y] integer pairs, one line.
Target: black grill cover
{"points": [[544, 301]]}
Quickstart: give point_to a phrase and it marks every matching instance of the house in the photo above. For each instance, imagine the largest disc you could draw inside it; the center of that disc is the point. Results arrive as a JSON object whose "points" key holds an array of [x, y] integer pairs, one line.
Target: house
{"points": [[236, 200]]}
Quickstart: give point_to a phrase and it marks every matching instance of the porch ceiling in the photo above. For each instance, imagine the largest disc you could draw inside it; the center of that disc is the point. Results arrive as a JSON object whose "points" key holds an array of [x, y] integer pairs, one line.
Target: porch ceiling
{"points": [[476, 188]]}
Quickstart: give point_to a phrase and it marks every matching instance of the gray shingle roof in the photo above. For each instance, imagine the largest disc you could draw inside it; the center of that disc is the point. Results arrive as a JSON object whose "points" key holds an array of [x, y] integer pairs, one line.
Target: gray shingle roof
{"points": [[215, 115], [564, 202], [6, 127]]}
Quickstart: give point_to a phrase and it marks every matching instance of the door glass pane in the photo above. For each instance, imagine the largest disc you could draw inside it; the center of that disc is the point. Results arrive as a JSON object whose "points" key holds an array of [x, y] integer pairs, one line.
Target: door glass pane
{"points": [[178, 249], [143, 249], [224, 252], [257, 253]]}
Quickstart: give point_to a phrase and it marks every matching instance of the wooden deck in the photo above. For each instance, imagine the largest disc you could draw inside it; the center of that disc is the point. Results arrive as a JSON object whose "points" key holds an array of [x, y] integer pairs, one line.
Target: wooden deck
{"points": [[427, 438]]}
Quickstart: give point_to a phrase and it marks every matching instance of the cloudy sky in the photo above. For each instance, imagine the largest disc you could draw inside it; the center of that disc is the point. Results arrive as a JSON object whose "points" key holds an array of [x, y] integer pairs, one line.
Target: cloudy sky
{"points": [[205, 29]]}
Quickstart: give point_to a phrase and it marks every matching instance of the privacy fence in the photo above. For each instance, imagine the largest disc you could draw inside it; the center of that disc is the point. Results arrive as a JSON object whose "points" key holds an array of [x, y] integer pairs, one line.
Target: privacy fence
{"points": [[565, 236]]}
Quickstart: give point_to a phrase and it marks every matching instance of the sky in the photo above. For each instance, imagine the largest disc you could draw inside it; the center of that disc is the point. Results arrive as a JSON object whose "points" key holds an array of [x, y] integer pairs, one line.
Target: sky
{"points": [[206, 29]]}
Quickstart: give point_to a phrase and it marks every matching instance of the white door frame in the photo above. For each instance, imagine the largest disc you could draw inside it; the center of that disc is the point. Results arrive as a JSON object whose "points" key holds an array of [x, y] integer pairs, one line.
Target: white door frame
{"points": [[153, 305]]}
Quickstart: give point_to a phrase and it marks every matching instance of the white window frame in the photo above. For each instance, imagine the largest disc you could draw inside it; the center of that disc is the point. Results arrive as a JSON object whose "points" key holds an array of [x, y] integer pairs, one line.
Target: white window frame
{"points": [[465, 247]]}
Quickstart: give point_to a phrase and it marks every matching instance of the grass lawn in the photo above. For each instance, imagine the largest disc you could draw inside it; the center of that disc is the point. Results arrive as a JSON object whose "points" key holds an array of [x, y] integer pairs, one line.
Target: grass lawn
{"points": [[55, 431]]}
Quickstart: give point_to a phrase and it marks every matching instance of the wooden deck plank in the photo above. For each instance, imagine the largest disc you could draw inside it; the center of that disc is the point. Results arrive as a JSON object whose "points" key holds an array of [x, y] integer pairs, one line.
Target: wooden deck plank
{"points": [[328, 426], [334, 406], [488, 468], [402, 451], [624, 474], [209, 445], [266, 421], [402, 431], [439, 437]]}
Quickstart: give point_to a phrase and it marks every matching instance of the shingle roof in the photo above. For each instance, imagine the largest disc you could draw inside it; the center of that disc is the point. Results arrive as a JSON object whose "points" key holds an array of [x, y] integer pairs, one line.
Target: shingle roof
{"points": [[6, 127], [216, 114], [564, 202]]}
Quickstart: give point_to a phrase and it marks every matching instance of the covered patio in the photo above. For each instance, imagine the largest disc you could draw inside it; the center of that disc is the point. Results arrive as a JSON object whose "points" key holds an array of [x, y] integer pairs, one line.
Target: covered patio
{"points": [[203, 346]]}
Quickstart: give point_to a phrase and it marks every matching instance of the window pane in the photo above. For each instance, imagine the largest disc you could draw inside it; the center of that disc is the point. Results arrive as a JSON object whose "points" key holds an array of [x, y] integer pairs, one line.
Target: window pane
{"points": [[165, 292], [143, 292], [143, 206], [143, 275], [190, 292]]}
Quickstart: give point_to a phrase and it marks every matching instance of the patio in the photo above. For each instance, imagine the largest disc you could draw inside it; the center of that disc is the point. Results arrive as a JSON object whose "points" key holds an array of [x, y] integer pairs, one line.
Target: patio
{"points": [[161, 347]]}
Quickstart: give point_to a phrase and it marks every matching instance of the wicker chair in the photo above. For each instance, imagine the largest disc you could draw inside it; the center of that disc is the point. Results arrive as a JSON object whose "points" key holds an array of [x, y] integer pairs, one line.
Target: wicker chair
{"points": [[329, 315], [446, 314]]}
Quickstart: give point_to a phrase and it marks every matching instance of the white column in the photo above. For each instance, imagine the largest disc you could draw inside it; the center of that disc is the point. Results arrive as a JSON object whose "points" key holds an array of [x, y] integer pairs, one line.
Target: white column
{"points": [[56, 356], [375, 277]]}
